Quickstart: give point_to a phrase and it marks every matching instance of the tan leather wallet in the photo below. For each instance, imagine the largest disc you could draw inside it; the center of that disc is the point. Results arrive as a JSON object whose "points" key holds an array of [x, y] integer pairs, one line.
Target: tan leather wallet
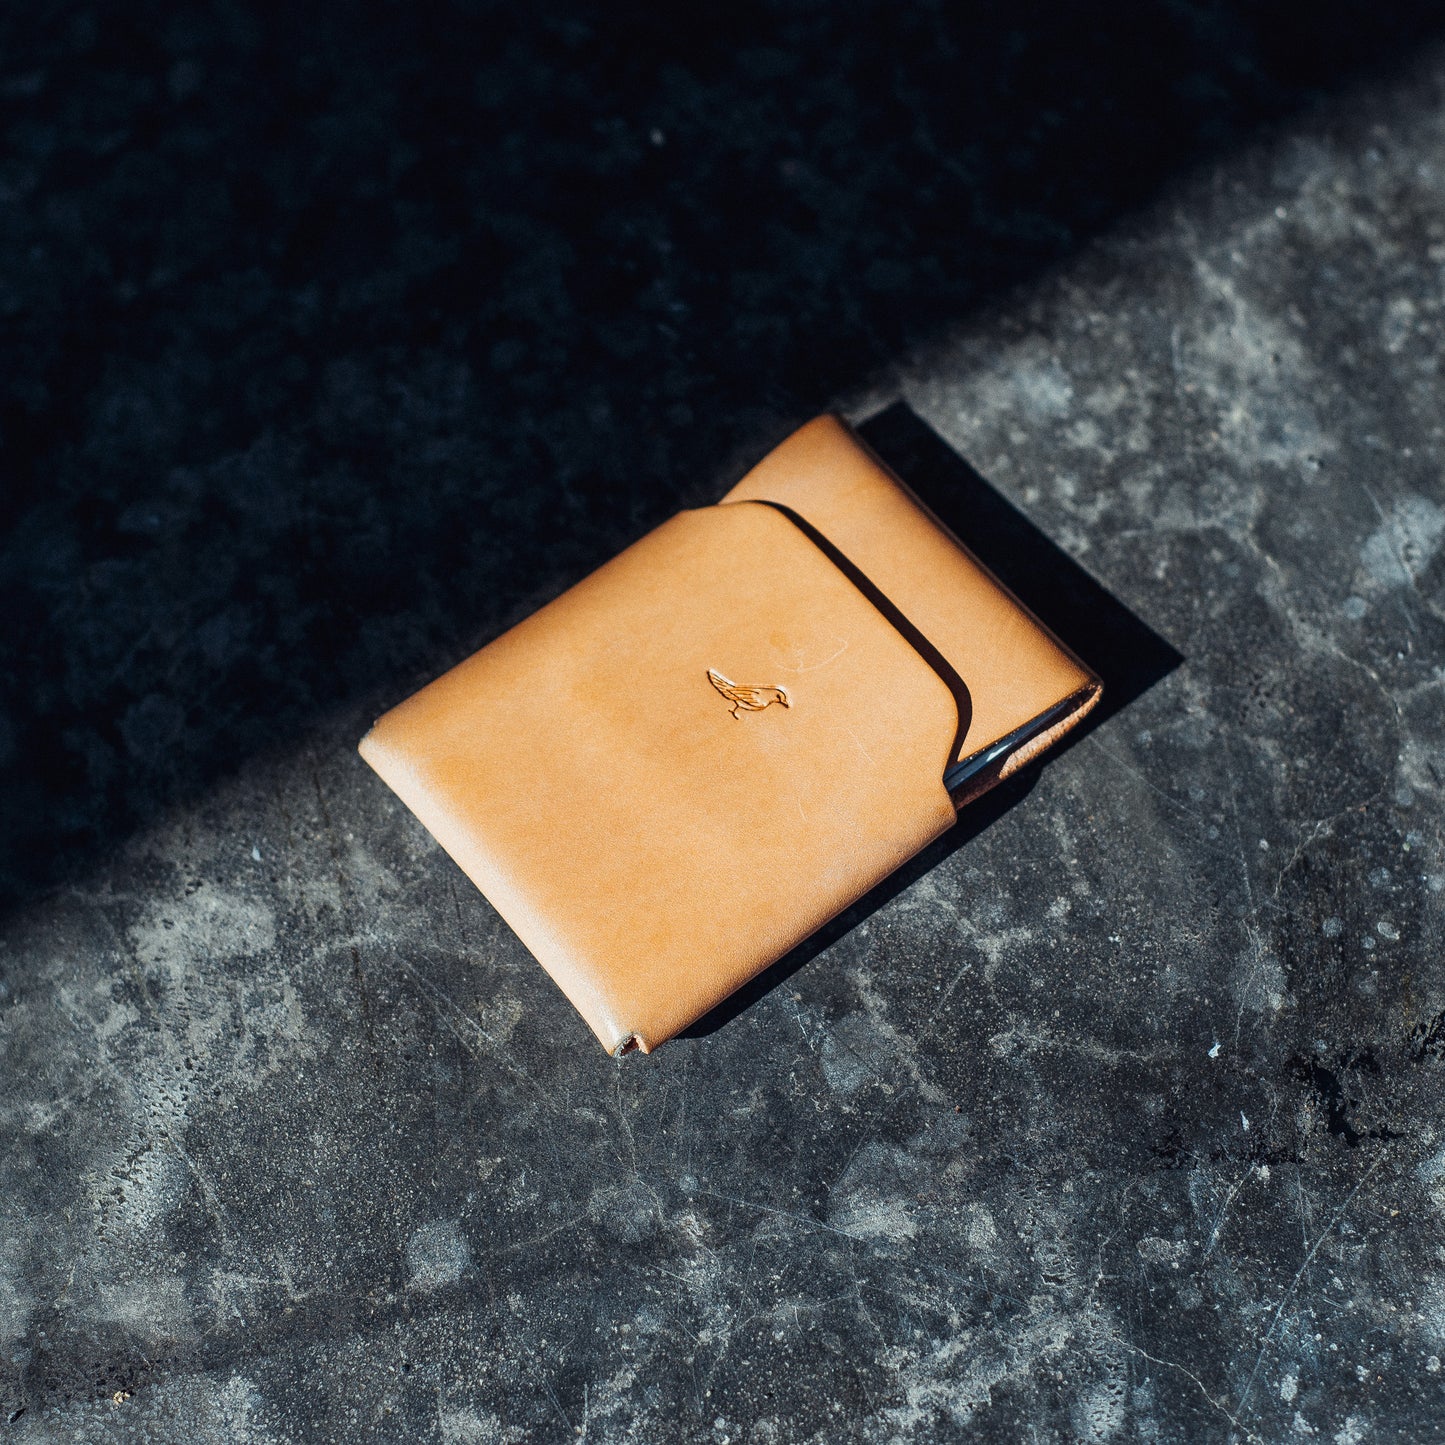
{"points": [[687, 763]]}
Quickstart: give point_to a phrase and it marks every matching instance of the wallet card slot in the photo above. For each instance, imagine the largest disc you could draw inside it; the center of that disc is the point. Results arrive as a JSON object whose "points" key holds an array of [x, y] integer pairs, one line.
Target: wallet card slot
{"points": [[967, 779], [948, 674], [980, 769], [1013, 669]]}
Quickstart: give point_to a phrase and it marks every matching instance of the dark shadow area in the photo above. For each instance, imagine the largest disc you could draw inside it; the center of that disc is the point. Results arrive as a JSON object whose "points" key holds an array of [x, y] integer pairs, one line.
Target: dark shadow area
{"points": [[336, 339], [1126, 652]]}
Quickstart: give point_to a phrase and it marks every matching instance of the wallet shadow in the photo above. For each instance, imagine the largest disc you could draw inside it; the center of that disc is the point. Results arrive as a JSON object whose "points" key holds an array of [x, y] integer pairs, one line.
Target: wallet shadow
{"points": [[1119, 645]]}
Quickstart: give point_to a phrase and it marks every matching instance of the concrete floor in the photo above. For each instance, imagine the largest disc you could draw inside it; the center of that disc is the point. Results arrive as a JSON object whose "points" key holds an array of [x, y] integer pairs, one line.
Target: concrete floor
{"points": [[1120, 1115]]}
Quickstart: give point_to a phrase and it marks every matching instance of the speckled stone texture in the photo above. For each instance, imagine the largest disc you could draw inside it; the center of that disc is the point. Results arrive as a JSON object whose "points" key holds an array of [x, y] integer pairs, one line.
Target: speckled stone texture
{"points": [[1120, 1115]]}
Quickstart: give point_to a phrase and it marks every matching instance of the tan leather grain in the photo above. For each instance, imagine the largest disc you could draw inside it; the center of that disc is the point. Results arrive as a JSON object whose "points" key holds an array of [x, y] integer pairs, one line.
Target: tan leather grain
{"points": [[690, 761], [1013, 667], [652, 849]]}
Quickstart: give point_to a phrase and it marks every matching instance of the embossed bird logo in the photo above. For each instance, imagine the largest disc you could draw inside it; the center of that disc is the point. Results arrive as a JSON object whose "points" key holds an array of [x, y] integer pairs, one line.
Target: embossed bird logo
{"points": [[746, 699]]}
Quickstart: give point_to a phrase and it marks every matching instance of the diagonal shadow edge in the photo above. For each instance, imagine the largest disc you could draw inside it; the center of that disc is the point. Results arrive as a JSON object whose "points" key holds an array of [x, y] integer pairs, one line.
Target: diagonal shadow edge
{"points": [[156, 726]]}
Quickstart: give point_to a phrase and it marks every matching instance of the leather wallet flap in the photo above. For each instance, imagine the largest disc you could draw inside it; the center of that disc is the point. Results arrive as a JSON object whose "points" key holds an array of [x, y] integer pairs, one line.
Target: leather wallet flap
{"points": [[1014, 672], [681, 767]]}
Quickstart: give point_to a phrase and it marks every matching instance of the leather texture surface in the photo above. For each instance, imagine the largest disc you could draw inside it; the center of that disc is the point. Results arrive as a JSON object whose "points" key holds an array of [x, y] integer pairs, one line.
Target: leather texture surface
{"points": [[690, 761], [1013, 668], [654, 843]]}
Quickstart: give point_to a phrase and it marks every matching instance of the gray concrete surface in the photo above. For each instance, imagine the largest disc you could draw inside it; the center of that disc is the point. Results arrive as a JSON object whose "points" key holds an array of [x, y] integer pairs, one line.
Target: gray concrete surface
{"points": [[1122, 1120]]}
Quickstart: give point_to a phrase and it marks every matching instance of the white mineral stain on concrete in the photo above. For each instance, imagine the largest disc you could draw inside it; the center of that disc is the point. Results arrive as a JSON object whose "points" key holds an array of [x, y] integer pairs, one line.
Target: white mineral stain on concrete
{"points": [[1432, 1170], [980, 1232], [201, 1409], [1399, 322], [436, 1255], [14, 1305], [1260, 984], [209, 923], [459, 1426], [1100, 1411], [1026, 383], [165, 1022], [1252, 370], [1043, 388], [954, 1378], [1161, 1251], [152, 1306], [871, 1216], [867, 1202], [1431, 1304], [1400, 549], [864, 1048], [844, 1067], [892, 1055], [1352, 1432]]}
